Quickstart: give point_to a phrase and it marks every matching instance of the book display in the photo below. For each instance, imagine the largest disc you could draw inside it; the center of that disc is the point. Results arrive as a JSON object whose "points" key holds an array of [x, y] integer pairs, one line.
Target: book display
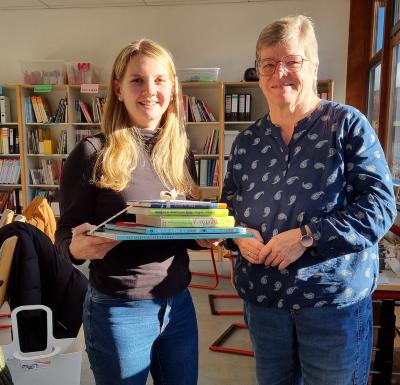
{"points": [[40, 125]]}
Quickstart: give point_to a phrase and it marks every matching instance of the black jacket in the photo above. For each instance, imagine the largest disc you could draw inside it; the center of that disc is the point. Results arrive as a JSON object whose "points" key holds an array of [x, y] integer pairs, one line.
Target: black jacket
{"points": [[40, 276]]}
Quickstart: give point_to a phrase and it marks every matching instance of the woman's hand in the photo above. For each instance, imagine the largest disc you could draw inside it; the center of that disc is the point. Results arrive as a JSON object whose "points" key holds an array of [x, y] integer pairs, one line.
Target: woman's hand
{"points": [[282, 249], [250, 247], [84, 246], [209, 243]]}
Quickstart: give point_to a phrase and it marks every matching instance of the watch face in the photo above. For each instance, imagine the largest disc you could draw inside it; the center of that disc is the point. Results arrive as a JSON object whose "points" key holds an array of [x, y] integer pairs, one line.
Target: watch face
{"points": [[307, 240]]}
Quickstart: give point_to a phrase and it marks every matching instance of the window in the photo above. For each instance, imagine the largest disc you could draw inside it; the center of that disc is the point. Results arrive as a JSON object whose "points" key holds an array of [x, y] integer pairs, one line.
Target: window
{"points": [[378, 25], [374, 94], [373, 77], [396, 12], [394, 117]]}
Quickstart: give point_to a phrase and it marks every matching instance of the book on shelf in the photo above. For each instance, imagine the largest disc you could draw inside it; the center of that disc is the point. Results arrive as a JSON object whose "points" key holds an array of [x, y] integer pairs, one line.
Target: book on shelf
{"points": [[10, 171], [5, 140], [133, 227], [234, 107], [247, 112], [228, 107], [28, 108], [85, 110], [125, 236], [241, 107], [152, 211], [5, 111], [159, 203], [182, 221]]}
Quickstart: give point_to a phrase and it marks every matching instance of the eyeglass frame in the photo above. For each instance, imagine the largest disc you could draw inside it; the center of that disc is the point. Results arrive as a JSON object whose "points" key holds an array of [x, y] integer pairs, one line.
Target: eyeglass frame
{"points": [[258, 62]]}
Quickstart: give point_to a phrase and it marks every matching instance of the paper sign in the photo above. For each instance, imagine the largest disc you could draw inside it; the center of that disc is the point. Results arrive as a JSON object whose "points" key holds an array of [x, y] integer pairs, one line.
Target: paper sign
{"points": [[89, 88], [43, 88]]}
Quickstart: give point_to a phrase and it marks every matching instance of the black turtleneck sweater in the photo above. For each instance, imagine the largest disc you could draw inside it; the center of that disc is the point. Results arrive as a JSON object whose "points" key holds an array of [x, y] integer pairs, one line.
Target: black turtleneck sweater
{"points": [[133, 269]]}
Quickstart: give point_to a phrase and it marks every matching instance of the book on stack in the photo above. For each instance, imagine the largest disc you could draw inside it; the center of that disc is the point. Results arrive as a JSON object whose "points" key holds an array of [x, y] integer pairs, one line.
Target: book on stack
{"points": [[160, 219]]}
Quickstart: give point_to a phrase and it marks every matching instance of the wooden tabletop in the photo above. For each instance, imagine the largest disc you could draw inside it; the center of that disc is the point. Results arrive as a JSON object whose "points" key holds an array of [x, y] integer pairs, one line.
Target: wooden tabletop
{"points": [[388, 281]]}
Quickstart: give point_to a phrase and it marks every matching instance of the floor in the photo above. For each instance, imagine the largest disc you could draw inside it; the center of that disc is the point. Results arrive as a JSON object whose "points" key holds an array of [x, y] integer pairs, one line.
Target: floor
{"points": [[216, 368]]}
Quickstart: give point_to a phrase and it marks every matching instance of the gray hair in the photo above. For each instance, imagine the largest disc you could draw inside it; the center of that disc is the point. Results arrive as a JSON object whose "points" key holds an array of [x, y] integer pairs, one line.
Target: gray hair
{"points": [[282, 30]]}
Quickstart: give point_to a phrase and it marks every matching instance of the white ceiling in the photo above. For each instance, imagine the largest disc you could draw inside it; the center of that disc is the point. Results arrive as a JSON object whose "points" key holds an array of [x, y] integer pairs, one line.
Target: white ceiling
{"points": [[57, 4]]}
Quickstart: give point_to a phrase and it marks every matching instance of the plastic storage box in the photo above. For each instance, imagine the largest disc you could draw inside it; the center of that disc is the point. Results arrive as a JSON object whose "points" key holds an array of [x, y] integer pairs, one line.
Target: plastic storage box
{"points": [[43, 72], [198, 74], [81, 73]]}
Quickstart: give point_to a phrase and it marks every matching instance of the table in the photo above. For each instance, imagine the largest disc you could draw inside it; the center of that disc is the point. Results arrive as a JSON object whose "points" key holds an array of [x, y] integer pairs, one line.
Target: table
{"points": [[388, 292]]}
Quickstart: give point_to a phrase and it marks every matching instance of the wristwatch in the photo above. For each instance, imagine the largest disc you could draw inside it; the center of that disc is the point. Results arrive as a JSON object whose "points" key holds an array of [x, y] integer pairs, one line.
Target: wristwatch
{"points": [[306, 240]]}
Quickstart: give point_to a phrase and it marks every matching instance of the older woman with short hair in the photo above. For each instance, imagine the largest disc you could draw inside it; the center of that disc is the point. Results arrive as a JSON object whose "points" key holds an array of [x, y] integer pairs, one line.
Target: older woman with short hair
{"points": [[310, 179]]}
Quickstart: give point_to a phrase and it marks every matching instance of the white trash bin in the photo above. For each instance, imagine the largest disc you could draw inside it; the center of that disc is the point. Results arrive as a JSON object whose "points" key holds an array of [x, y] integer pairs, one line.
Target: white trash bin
{"points": [[59, 364]]}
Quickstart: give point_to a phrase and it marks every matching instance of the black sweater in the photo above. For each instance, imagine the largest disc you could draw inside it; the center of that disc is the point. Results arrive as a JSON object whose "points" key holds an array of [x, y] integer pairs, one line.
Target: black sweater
{"points": [[133, 269]]}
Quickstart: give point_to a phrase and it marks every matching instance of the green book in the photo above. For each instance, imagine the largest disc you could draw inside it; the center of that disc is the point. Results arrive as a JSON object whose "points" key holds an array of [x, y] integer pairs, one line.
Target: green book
{"points": [[185, 221]]}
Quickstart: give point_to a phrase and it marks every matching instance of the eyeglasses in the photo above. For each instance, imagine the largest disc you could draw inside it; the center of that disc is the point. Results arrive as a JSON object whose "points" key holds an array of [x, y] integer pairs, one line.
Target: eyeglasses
{"points": [[291, 63]]}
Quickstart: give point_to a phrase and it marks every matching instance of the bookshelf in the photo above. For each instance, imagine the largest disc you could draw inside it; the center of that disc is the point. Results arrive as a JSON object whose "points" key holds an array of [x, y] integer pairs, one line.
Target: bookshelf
{"points": [[205, 136], [12, 166], [62, 134]]}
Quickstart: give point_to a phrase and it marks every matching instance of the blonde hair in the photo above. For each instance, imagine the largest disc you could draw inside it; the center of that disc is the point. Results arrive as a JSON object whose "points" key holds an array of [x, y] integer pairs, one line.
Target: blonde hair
{"points": [[282, 30], [121, 152]]}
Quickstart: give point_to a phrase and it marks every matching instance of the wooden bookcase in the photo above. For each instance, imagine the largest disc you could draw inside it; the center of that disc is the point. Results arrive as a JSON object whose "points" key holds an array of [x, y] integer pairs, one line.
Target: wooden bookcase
{"points": [[212, 93]]}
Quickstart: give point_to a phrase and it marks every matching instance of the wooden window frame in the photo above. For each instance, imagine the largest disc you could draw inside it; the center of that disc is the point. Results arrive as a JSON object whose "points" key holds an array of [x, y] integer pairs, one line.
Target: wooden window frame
{"points": [[360, 59]]}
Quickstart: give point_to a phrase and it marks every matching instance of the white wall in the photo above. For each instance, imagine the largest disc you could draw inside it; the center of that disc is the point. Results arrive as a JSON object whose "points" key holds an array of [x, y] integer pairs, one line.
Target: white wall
{"points": [[220, 35]]}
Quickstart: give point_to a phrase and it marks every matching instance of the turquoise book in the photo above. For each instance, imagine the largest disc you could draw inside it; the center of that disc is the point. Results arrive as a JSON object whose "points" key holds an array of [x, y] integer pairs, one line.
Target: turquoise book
{"points": [[131, 227]]}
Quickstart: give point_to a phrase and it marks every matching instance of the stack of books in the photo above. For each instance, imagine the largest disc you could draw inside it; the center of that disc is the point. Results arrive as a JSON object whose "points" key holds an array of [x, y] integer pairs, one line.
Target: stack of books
{"points": [[159, 219]]}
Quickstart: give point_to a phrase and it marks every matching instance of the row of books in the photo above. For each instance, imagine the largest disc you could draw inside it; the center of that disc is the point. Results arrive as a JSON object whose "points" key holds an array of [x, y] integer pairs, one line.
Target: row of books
{"points": [[9, 140], [90, 114], [40, 141], [11, 199], [237, 107], [207, 172], [197, 110], [211, 143], [82, 134], [5, 111], [52, 197], [10, 171], [177, 219], [50, 172]]}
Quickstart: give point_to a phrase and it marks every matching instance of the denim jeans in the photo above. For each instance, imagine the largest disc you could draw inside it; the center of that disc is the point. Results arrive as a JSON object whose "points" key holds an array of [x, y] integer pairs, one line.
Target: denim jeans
{"points": [[311, 346], [126, 339]]}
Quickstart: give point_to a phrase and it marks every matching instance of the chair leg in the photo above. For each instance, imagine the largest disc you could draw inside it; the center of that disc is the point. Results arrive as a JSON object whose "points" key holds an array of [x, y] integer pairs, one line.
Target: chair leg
{"points": [[214, 311], [216, 346], [213, 274]]}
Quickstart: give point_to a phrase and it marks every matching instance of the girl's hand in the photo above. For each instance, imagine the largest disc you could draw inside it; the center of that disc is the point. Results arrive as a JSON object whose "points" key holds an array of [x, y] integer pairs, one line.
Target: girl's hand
{"points": [[84, 246]]}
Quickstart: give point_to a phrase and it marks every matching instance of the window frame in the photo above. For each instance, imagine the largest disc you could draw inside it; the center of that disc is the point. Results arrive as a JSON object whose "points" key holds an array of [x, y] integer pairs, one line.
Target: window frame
{"points": [[361, 59]]}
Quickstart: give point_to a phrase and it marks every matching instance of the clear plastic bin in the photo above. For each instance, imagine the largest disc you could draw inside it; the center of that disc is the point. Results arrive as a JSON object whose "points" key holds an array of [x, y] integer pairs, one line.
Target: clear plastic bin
{"points": [[43, 72], [198, 74], [82, 73]]}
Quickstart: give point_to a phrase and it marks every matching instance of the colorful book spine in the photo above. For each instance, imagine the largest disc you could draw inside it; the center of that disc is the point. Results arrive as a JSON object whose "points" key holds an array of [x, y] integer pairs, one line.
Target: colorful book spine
{"points": [[178, 211], [121, 236], [177, 204], [132, 227], [181, 221]]}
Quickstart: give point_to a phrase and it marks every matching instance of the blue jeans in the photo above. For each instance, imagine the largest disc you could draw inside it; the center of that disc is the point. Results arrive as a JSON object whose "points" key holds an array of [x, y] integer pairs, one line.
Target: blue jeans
{"points": [[311, 346], [126, 339]]}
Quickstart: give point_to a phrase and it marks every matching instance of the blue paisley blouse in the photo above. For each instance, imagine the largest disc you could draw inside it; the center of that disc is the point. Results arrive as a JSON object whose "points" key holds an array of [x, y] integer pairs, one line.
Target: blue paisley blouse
{"points": [[332, 176]]}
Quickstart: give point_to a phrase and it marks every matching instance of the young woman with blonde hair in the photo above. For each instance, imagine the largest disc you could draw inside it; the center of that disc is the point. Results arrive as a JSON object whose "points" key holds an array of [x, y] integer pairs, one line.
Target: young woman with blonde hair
{"points": [[139, 315]]}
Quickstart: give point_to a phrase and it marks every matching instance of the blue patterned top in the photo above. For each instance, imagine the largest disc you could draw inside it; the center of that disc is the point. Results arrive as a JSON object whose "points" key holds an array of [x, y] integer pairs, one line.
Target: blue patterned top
{"points": [[332, 176]]}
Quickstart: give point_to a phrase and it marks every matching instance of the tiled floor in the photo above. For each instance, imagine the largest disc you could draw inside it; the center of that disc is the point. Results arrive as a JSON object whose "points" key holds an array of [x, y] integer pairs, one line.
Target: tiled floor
{"points": [[215, 368]]}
